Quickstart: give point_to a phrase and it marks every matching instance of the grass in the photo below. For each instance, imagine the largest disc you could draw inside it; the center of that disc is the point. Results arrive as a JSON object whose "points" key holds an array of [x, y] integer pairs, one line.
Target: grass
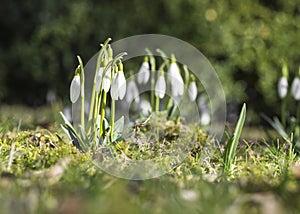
{"points": [[41, 172]]}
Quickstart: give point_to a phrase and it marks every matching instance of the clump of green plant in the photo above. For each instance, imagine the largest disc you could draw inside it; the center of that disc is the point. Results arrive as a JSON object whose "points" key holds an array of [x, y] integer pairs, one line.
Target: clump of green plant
{"points": [[288, 126], [110, 85]]}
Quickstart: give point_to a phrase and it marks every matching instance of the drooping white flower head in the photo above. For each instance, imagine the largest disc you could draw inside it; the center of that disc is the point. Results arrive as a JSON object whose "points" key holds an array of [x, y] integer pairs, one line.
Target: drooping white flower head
{"points": [[204, 111], [145, 107], [296, 88], [144, 73], [160, 86], [283, 82], [193, 91], [282, 87], [107, 80], [132, 92], [177, 85], [205, 118], [118, 86], [75, 88]]}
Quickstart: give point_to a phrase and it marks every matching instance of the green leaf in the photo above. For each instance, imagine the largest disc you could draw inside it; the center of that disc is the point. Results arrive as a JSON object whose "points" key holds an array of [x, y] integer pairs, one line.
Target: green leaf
{"points": [[119, 125], [231, 146], [277, 126], [118, 129]]}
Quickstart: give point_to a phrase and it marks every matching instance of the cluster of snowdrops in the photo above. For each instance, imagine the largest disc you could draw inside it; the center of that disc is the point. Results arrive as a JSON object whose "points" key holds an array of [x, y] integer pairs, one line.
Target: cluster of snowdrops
{"points": [[110, 85]]}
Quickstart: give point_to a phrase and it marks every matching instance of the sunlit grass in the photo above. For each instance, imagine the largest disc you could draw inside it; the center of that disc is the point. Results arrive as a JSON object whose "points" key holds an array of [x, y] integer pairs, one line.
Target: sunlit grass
{"points": [[42, 172]]}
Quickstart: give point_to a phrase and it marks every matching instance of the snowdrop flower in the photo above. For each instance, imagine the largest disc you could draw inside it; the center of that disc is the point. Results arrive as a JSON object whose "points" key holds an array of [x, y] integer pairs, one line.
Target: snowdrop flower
{"points": [[282, 87], [145, 107], [283, 82], [132, 92], [205, 118], [118, 86], [296, 87], [175, 78], [144, 72], [204, 111], [192, 89], [107, 80], [75, 88], [160, 86]]}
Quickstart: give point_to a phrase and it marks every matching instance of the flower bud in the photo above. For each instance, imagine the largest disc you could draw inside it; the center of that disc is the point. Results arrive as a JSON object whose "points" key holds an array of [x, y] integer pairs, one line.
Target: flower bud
{"points": [[296, 88], [75, 88], [144, 72], [282, 87]]}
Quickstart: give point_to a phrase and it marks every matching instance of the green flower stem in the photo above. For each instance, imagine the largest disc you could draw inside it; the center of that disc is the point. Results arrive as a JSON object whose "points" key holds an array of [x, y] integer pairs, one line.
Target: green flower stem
{"points": [[298, 111], [92, 104], [157, 104], [297, 128], [169, 104], [112, 119], [114, 71], [152, 76], [82, 93], [103, 106], [186, 76], [152, 88], [96, 112], [163, 55], [283, 112]]}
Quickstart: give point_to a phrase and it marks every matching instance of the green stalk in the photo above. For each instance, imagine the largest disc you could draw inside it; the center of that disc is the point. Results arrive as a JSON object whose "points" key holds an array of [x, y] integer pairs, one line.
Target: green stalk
{"points": [[152, 87], [103, 106], [97, 104], [157, 104], [112, 119], [186, 76], [283, 112], [82, 93], [297, 128], [102, 50], [298, 111], [152, 76]]}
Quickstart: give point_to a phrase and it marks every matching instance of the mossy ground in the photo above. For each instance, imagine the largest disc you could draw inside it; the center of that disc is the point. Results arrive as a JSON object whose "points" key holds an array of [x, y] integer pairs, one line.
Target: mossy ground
{"points": [[41, 172]]}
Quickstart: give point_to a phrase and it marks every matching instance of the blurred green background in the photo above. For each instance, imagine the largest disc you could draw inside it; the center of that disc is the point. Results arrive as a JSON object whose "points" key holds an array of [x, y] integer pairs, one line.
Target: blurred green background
{"points": [[246, 41]]}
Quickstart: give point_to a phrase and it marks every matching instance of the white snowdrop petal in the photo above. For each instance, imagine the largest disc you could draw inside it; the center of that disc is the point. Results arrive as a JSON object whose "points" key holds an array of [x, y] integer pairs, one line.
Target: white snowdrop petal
{"points": [[192, 90], [114, 88], [160, 87], [282, 87], [205, 118], [144, 73], [176, 80], [132, 92], [75, 89], [145, 107], [296, 88], [107, 80], [121, 85]]}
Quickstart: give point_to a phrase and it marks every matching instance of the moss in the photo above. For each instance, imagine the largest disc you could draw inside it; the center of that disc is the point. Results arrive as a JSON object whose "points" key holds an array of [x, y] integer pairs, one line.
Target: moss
{"points": [[32, 150]]}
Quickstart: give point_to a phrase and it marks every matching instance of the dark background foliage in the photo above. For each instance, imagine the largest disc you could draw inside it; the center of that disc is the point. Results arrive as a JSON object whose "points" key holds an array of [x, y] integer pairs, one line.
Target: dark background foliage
{"points": [[246, 41]]}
